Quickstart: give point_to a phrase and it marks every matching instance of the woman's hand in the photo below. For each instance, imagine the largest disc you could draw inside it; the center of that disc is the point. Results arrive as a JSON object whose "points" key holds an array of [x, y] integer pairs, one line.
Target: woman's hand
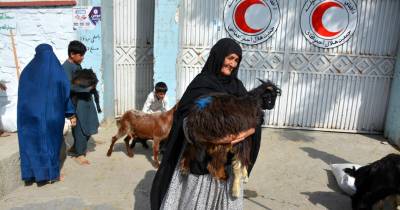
{"points": [[236, 138]]}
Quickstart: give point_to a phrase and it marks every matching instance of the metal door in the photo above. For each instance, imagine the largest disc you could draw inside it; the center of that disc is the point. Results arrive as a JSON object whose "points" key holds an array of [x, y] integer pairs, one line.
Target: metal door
{"points": [[340, 89], [133, 53]]}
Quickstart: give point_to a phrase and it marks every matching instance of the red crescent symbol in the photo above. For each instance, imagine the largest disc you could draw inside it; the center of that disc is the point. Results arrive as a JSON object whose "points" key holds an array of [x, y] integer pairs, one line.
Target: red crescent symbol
{"points": [[317, 19], [240, 13]]}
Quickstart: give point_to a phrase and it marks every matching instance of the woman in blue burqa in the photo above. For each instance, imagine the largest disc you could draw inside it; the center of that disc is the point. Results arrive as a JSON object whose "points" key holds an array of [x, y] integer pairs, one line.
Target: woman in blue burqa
{"points": [[43, 104]]}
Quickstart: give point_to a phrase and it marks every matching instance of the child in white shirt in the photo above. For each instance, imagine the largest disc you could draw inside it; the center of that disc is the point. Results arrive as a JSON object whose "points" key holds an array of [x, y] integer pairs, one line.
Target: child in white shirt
{"points": [[156, 100]]}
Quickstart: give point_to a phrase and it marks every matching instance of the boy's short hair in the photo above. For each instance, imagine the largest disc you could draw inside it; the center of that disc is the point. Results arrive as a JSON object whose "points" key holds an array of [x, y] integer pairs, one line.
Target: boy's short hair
{"points": [[76, 47], [161, 87]]}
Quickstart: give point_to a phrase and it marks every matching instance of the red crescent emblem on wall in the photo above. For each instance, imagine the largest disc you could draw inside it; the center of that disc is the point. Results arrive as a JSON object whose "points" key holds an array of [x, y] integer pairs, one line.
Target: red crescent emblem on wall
{"points": [[317, 19], [240, 13]]}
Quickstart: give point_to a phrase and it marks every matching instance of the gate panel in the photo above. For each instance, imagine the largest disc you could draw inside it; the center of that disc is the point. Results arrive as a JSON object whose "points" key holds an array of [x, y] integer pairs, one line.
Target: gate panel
{"points": [[342, 89], [133, 53]]}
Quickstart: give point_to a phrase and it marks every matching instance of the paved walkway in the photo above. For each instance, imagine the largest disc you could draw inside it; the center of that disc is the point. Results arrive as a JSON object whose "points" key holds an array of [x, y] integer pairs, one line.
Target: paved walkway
{"points": [[292, 172]]}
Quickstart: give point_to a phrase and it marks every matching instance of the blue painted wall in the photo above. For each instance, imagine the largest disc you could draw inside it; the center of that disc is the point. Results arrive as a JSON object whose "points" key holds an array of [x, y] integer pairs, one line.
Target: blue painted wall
{"points": [[392, 126], [166, 37], [108, 58], [93, 58]]}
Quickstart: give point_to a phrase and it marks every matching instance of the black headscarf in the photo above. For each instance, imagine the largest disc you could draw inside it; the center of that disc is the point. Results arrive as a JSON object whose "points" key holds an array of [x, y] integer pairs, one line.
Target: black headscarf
{"points": [[210, 80]]}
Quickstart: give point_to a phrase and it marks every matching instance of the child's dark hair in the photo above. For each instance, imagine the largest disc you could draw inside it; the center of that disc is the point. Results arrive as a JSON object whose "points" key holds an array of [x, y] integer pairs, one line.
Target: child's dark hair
{"points": [[161, 87], [76, 47]]}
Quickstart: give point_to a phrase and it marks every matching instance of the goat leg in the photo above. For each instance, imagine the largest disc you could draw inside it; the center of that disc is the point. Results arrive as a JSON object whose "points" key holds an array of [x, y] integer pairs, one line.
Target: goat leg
{"points": [[237, 175], [128, 148], [114, 139], [245, 175], [217, 170], [156, 145], [216, 166], [187, 156]]}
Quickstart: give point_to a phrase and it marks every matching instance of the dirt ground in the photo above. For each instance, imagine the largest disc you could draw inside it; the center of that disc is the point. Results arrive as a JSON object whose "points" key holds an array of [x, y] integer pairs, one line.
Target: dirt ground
{"points": [[292, 172]]}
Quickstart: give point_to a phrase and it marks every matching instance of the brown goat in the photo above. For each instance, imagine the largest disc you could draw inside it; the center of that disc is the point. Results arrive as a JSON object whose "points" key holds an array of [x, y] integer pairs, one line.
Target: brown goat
{"points": [[138, 125], [218, 115]]}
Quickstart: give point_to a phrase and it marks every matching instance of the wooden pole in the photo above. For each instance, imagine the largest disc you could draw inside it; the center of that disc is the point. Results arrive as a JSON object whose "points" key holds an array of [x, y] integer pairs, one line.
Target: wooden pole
{"points": [[15, 53]]}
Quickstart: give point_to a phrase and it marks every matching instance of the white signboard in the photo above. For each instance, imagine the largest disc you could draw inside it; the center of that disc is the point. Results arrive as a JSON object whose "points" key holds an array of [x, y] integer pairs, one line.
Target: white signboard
{"points": [[251, 21], [86, 17], [328, 23]]}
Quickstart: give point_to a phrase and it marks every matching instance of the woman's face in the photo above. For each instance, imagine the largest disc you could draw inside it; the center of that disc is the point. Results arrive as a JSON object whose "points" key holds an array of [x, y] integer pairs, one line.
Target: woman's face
{"points": [[230, 63]]}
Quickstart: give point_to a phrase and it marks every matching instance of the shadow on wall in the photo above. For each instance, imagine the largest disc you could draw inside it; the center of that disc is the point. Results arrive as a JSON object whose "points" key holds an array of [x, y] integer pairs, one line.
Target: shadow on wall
{"points": [[142, 191]]}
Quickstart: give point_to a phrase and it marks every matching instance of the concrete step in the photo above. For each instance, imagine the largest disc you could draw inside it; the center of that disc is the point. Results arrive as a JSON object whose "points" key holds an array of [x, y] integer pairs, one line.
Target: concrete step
{"points": [[10, 172]]}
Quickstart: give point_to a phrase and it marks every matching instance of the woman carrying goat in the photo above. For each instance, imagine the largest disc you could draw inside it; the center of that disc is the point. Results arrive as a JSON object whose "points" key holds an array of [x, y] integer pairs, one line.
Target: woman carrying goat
{"points": [[198, 189]]}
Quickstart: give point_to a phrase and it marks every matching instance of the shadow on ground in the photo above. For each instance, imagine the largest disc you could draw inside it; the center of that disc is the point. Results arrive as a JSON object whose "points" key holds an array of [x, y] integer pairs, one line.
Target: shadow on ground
{"points": [[330, 200], [295, 135], [142, 191], [336, 200], [383, 140], [67, 203], [324, 156], [138, 150]]}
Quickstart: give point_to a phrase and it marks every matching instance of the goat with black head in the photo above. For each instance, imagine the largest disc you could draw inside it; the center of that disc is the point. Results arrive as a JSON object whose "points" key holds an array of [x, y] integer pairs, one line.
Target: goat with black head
{"points": [[376, 182], [216, 116], [85, 78]]}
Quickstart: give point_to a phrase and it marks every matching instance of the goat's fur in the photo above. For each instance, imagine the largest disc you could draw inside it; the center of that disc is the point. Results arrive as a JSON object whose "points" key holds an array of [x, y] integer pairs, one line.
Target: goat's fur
{"points": [[84, 79], [376, 182], [137, 125], [215, 116]]}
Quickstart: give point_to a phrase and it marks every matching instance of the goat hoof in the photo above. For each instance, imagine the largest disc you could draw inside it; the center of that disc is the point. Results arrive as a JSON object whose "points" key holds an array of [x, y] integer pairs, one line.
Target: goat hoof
{"points": [[130, 155], [108, 153], [156, 164], [245, 179]]}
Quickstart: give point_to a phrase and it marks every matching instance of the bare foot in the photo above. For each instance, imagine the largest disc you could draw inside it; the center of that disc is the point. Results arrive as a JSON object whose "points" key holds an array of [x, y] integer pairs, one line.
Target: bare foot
{"points": [[62, 177], [82, 160]]}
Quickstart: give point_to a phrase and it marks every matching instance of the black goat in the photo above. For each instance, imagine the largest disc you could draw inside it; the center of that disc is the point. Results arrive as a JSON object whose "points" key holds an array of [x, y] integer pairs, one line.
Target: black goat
{"points": [[85, 78], [375, 182], [215, 116]]}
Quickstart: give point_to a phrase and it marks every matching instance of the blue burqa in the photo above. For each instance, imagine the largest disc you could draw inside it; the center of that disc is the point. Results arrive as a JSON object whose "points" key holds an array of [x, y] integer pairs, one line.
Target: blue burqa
{"points": [[43, 104]]}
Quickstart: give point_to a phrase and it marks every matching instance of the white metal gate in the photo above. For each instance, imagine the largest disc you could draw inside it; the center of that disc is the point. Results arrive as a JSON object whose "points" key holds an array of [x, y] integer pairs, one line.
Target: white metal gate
{"points": [[133, 53], [342, 89]]}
